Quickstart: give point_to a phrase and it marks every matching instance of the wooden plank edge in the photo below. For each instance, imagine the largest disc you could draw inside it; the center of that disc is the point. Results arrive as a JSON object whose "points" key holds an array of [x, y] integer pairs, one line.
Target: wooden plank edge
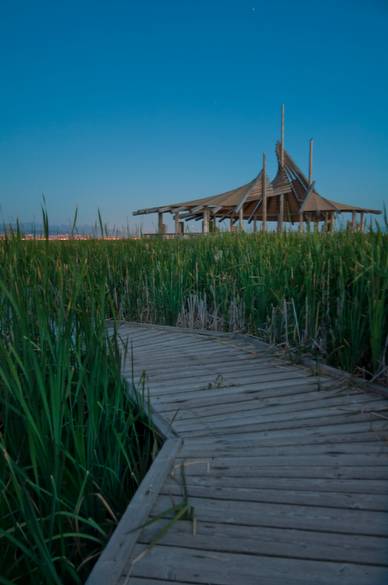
{"points": [[115, 556]]}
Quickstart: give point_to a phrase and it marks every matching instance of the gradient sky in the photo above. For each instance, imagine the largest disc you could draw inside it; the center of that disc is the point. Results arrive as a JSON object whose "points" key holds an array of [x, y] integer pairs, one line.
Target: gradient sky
{"points": [[125, 104]]}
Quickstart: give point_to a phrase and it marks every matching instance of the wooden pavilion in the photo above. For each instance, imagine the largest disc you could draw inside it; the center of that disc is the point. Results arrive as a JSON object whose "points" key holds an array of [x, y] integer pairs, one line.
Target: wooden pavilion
{"points": [[289, 197]]}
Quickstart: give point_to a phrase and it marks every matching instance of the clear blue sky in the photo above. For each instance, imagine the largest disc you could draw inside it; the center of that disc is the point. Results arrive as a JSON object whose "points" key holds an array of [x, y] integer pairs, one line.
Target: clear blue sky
{"points": [[124, 104]]}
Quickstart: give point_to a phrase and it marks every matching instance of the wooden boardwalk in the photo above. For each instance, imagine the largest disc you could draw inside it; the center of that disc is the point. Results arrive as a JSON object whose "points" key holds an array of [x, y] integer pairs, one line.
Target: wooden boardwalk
{"points": [[286, 471]]}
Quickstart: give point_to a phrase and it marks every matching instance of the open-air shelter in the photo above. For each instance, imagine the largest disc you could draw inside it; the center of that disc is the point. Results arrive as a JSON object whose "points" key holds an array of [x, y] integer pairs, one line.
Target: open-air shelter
{"points": [[289, 197]]}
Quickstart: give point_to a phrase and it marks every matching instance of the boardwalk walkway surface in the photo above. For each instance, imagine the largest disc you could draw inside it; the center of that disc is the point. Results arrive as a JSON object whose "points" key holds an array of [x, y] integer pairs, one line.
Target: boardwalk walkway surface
{"points": [[286, 471]]}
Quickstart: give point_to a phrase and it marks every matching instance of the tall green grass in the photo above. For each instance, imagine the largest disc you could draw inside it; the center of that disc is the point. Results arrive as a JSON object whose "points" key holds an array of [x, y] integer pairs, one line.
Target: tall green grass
{"points": [[321, 293], [73, 445]]}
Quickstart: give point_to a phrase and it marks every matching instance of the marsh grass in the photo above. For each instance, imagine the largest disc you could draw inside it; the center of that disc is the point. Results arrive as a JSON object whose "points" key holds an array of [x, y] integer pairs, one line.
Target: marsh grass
{"points": [[325, 294], [74, 445]]}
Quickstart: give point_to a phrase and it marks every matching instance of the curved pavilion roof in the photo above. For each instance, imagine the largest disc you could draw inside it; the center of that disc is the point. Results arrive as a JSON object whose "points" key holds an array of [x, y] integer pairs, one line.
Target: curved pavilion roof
{"points": [[290, 181]]}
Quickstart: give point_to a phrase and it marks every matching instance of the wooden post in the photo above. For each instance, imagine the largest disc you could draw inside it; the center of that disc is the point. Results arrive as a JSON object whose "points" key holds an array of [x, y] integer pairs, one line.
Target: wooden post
{"points": [[361, 221], [331, 221], [281, 212], [241, 218], [282, 139], [311, 161], [177, 223], [301, 222], [264, 194], [254, 225], [205, 227], [160, 224], [353, 224], [231, 224], [326, 222]]}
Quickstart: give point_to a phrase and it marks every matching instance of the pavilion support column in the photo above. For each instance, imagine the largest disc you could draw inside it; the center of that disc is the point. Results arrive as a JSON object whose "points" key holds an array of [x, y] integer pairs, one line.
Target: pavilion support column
{"points": [[281, 213], [353, 224], [254, 225], [362, 222], [206, 217], [179, 225], [301, 222], [241, 218], [231, 224], [311, 161], [331, 222], [161, 226], [326, 224]]}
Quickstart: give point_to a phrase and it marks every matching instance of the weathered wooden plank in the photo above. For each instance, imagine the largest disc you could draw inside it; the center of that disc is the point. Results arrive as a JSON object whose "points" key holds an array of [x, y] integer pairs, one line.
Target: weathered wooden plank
{"points": [[202, 382], [192, 348], [163, 375], [218, 491], [263, 408], [311, 471], [201, 566], [277, 415], [321, 519], [323, 460], [194, 352], [289, 387], [326, 484], [297, 395], [190, 345], [358, 432], [209, 449], [291, 390], [236, 538], [323, 424]]}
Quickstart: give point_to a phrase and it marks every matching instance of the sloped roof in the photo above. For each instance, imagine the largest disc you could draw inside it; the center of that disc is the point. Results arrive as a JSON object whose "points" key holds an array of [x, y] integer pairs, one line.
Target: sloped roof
{"points": [[318, 203], [289, 181], [230, 199], [290, 178]]}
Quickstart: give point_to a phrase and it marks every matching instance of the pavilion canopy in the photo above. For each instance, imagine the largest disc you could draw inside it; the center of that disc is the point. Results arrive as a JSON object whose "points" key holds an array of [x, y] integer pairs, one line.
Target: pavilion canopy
{"points": [[290, 195]]}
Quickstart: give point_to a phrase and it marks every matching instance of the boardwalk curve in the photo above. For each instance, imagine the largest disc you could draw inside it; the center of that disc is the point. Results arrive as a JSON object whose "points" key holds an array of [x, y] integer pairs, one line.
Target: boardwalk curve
{"points": [[285, 471]]}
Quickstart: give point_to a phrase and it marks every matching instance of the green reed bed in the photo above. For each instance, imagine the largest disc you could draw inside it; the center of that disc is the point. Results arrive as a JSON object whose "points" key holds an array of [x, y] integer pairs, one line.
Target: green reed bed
{"points": [[73, 446], [322, 293]]}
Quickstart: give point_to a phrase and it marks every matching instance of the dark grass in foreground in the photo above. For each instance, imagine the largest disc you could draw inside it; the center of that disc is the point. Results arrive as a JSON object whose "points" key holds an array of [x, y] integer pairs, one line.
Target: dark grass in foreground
{"points": [[73, 446]]}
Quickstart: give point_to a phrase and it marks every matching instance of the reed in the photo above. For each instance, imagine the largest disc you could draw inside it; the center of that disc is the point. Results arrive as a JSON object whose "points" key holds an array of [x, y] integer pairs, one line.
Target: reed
{"points": [[73, 445], [321, 293]]}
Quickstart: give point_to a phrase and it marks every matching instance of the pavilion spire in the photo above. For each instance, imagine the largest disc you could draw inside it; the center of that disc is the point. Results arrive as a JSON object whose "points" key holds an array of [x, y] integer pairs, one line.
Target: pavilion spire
{"points": [[311, 161], [282, 138], [264, 193]]}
